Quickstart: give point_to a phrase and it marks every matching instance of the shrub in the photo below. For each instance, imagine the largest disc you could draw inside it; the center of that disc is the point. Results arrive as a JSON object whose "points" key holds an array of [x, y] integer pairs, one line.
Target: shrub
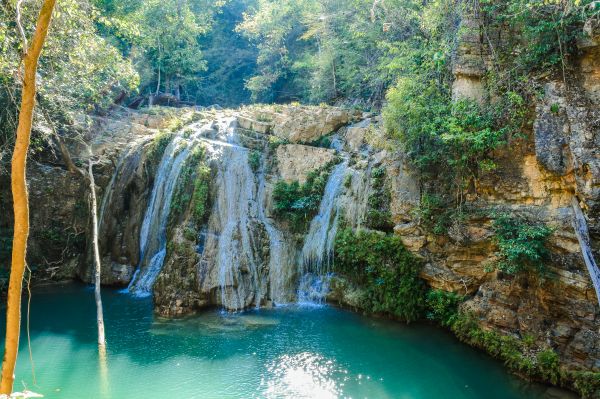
{"points": [[299, 203], [548, 364], [379, 216], [587, 383], [254, 160], [389, 272], [442, 306], [436, 214], [522, 245]]}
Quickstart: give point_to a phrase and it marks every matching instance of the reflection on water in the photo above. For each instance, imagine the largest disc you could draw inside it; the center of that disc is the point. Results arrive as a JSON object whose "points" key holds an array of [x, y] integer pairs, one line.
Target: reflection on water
{"points": [[289, 352], [304, 375]]}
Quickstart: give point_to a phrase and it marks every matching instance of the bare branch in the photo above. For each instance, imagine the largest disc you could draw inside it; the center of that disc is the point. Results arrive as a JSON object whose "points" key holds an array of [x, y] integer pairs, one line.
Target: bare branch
{"points": [[20, 26]]}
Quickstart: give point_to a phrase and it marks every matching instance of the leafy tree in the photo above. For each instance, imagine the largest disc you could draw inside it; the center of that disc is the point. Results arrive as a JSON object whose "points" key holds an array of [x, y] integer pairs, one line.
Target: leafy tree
{"points": [[81, 71], [324, 50]]}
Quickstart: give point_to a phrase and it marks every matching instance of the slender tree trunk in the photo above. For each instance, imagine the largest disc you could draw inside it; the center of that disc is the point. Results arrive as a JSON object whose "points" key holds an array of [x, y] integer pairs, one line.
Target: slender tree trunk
{"points": [[583, 236], [21, 199], [97, 264]]}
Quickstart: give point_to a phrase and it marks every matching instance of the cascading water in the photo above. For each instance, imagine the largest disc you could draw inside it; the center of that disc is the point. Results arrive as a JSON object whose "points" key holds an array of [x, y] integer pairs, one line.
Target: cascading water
{"points": [[317, 252], [153, 234], [244, 259], [236, 255], [281, 253]]}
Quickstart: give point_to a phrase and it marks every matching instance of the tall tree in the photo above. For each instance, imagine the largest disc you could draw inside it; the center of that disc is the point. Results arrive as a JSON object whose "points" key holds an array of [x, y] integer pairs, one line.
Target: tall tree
{"points": [[20, 196]]}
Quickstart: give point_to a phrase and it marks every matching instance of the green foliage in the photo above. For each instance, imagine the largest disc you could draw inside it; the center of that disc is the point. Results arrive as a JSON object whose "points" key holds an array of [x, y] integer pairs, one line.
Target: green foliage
{"points": [[200, 196], [79, 70], [318, 51], [389, 272], [548, 365], [587, 383], [446, 140], [163, 36], [379, 216], [442, 306], [522, 245], [297, 203], [254, 160], [520, 356], [436, 214], [544, 32]]}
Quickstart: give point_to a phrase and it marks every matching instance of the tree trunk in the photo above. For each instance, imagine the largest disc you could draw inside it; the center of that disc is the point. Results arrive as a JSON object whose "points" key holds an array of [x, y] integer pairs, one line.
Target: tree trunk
{"points": [[582, 233], [66, 156], [21, 199], [97, 264]]}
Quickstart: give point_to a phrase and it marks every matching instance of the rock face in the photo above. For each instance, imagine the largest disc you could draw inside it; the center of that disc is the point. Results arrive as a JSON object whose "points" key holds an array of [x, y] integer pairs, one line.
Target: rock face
{"points": [[295, 161], [295, 124], [470, 59], [58, 223]]}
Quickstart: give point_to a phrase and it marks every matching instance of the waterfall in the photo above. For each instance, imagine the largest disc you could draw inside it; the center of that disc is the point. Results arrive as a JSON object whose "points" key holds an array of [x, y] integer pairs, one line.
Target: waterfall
{"points": [[281, 257], [317, 252], [153, 234], [236, 203]]}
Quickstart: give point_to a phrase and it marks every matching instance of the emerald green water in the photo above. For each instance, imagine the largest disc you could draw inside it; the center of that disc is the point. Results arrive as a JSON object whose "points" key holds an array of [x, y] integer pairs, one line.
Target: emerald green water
{"points": [[290, 352]]}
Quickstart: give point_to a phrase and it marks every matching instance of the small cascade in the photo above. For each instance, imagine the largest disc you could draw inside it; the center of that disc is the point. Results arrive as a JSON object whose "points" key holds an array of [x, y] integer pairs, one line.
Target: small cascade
{"points": [[153, 234], [281, 253], [236, 204], [317, 252]]}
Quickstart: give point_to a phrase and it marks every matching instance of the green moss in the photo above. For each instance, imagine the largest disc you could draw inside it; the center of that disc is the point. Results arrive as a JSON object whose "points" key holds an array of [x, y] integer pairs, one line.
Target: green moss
{"points": [[158, 146], [387, 270], [192, 188], [190, 233], [200, 196]]}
